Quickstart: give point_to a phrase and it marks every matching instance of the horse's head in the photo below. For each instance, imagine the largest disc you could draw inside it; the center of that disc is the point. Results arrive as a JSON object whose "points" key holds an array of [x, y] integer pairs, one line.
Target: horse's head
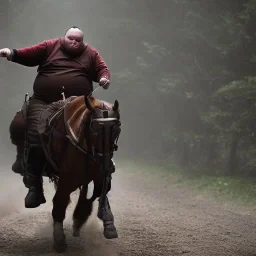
{"points": [[104, 128]]}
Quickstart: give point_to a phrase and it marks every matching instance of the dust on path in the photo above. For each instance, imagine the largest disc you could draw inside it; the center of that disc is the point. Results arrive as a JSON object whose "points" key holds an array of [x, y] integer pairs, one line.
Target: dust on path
{"points": [[152, 216]]}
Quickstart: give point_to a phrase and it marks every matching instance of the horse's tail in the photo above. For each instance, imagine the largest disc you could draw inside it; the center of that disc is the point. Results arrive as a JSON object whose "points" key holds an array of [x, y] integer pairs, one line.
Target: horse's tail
{"points": [[83, 193], [55, 182]]}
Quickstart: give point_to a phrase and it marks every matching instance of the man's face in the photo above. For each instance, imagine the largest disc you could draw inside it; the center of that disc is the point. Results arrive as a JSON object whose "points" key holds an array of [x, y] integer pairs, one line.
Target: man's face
{"points": [[73, 40]]}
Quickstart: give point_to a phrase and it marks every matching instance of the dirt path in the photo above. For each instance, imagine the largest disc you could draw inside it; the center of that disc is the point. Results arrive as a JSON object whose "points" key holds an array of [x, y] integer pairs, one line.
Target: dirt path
{"points": [[152, 217]]}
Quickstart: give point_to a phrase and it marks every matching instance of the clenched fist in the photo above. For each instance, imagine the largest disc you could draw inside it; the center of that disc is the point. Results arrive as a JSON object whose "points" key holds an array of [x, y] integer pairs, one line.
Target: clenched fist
{"points": [[6, 52], [104, 82]]}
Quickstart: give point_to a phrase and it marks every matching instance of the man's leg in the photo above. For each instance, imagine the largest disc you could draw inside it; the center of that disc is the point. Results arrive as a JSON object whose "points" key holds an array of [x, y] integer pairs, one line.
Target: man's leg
{"points": [[36, 158]]}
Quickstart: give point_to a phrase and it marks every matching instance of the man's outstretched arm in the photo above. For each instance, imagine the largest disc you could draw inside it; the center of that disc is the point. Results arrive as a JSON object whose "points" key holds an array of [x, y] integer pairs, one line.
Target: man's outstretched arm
{"points": [[28, 56]]}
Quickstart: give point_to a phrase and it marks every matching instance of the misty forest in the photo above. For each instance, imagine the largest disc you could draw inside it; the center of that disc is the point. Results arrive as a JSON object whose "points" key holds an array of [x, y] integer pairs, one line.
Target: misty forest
{"points": [[189, 79], [184, 73]]}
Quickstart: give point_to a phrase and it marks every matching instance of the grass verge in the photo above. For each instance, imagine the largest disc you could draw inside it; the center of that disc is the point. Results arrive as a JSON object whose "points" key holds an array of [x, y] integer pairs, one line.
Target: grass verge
{"points": [[230, 190]]}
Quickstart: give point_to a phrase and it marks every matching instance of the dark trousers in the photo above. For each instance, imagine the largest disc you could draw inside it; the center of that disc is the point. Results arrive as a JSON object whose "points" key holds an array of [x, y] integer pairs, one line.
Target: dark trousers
{"points": [[35, 159], [33, 115]]}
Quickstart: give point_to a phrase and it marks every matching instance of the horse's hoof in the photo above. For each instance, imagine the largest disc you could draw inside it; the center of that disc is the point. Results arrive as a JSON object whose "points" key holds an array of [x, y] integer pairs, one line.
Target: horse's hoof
{"points": [[59, 238], [60, 247], [110, 232]]}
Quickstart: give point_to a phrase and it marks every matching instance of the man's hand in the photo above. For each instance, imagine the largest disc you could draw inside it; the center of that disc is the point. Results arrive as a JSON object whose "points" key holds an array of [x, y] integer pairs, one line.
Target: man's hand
{"points": [[104, 82], [5, 52]]}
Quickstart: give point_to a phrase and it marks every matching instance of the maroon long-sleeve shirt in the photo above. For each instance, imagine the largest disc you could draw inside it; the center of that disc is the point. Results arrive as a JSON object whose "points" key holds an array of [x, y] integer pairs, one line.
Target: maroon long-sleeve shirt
{"points": [[57, 69]]}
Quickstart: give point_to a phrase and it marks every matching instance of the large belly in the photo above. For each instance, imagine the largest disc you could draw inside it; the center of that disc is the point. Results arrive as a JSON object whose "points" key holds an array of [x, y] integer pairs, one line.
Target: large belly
{"points": [[48, 87]]}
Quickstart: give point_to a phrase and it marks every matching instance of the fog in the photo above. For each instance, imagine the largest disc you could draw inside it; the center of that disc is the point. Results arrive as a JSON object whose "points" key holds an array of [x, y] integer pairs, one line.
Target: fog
{"points": [[25, 23], [168, 61], [115, 29]]}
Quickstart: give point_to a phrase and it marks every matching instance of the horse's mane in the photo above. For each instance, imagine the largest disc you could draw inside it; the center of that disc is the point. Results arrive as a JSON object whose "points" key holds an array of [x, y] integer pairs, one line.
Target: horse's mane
{"points": [[78, 102], [76, 114], [97, 103]]}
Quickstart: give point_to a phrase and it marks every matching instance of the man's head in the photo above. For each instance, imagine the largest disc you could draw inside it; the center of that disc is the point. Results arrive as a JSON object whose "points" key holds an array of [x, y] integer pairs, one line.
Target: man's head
{"points": [[73, 40]]}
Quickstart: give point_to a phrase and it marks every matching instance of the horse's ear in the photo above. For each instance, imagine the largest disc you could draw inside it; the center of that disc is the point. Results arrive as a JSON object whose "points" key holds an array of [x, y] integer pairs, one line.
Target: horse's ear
{"points": [[116, 105], [88, 103]]}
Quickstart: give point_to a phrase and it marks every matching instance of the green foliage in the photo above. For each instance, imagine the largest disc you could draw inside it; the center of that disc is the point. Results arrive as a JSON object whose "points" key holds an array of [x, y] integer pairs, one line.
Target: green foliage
{"points": [[231, 190], [236, 106], [249, 11]]}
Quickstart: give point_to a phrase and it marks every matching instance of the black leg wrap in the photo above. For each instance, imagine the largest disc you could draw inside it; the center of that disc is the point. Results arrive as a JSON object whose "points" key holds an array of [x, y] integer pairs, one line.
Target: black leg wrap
{"points": [[107, 217], [104, 210]]}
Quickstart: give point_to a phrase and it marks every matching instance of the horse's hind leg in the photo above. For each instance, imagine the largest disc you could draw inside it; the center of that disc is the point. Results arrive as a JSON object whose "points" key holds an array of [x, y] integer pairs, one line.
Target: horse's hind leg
{"points": [[82, 212], [60, 203]]}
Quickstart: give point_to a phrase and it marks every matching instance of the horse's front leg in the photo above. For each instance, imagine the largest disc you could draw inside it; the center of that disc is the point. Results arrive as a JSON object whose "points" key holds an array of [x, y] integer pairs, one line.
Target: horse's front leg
{"points": [[104, 210], [59, 242], [106, 215], [60, 203]]}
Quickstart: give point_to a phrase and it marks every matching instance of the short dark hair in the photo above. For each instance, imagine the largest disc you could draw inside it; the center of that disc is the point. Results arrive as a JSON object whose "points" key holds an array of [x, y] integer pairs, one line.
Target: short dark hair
{"points": [[72, 27]]}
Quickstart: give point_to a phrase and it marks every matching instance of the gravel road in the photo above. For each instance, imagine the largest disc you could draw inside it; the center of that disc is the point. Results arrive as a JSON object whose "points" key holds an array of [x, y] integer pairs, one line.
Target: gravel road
{"points": [[153, 217]]}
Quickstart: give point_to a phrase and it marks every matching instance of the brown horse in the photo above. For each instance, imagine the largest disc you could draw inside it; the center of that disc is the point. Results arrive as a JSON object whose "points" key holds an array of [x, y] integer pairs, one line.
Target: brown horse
{"points": [[79, 137]]}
